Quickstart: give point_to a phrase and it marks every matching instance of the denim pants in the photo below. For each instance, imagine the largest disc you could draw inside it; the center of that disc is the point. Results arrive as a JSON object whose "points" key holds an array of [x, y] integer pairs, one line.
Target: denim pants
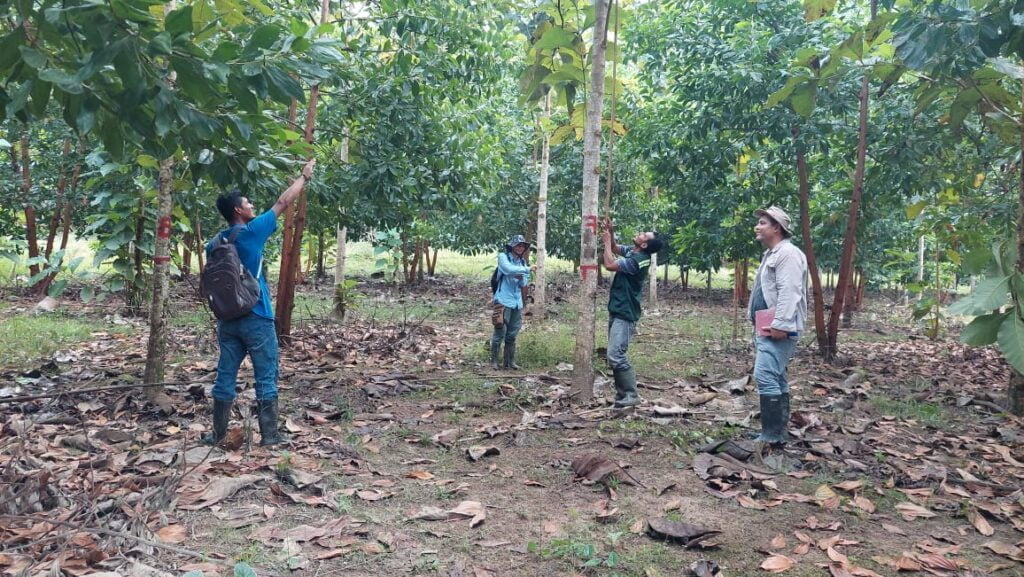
{"points": [[619, 333], [770, 364], [513, 322], [252, 335]]}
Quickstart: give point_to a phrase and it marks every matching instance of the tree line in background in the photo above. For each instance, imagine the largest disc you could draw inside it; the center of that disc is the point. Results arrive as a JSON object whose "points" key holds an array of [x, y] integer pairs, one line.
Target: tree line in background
{"points": [[894, 129]]}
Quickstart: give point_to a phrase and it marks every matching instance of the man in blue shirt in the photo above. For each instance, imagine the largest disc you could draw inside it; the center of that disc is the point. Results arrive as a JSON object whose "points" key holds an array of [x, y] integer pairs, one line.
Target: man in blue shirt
{"points": [[513, 275], [254, 333]]}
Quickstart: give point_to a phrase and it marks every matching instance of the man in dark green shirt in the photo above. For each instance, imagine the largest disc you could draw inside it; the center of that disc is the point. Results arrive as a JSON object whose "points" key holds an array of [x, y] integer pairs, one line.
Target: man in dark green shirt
{"points": [[624, 304]]}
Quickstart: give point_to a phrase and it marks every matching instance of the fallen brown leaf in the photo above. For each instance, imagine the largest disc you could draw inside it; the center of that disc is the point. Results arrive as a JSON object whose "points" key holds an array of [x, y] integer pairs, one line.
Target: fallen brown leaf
{"points": [[980, 523], [778, 564], [172, 534]]}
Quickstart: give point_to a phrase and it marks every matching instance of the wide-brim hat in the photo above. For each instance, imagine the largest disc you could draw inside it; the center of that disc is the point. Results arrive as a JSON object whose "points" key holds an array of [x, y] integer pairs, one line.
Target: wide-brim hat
{"points": [[779, 216]]}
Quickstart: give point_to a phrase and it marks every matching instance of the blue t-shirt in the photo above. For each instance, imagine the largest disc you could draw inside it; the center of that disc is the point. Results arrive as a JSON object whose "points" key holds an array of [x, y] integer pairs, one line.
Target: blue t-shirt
{"points": [[250, 242]]}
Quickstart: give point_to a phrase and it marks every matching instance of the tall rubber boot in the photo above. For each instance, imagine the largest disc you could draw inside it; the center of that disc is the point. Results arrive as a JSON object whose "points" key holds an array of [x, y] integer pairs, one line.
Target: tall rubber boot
{"points": [[267, 417], [625, 388], [221, 415], [772, 428], [495, 348], [785, 414], [510, 355]]}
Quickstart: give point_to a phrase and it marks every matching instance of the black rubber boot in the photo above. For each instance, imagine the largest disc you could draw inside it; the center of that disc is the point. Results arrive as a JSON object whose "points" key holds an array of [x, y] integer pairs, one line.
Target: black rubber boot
{"points": [[772, 427], [221, 415], [510, 355], [267, 416], [784, 398], [495, 349], [625, 388]]}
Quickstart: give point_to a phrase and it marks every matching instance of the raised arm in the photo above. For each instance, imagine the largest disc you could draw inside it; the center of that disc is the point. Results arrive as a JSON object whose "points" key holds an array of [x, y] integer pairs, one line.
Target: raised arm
{"points": [[292, 192]]}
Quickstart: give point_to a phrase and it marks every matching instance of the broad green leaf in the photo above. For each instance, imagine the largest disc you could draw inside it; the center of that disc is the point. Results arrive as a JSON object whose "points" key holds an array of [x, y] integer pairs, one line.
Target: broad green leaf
{"points": [[964, 103], [852, 47], [196, 573], [555, 37], [1011, 340], [803, 98], [62, 79], [1007, 67], [983, 330], [179, 21], [147, 161], [561, 133], [815, 9], [990, 294], [783, 93], [244, 570], [915, 210], [57, 288], [33, 57]]}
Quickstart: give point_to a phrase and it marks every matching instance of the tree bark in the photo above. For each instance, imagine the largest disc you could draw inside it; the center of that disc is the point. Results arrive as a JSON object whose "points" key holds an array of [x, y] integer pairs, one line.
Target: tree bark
{"points": [[31, 233], [156, 349], [56, 220], [340, 294], [853, 215], [540, 275], [583, 368], [652, 282], [1015, 391], [808, 242], [286, 275]]}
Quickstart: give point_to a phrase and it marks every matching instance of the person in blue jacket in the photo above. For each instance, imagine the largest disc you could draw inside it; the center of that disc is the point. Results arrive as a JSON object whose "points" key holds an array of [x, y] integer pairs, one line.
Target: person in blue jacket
{"points": [[513, 274]]}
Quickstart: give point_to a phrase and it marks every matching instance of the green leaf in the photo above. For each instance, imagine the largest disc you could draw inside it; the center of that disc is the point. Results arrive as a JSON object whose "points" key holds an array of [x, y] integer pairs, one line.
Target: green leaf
{"points": [[40, 96], [196, 573], [62, 79], [803, 98], [990, 294], [983, 330], [283, 88], [147, 161], [815, 9], [244, 570], [915, 210], [555, 37], [33, 57], [1007, 67], [784, 92], [852, 47], [1011, 341], [179, 21], [57, 288]]}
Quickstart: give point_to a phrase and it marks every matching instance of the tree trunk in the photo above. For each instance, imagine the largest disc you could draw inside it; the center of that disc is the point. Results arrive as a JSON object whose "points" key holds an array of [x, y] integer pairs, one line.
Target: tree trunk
{"points": [[808, 242], [1015, 392], [433, 263], [652, 283], [186, 254], [134, 290], [850, 238], [197, 227], [340, 294], [31, 234], [156, 349], [849, 307], [55, 220], [684, 277], [286, 275], [540, 275], [320, 255], [583, 368], [707, 288]]}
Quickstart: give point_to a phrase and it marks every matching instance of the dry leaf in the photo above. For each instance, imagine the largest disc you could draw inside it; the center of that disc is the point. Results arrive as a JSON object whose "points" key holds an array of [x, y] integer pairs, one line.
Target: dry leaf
{"points": [[837, 557], [749, 503], [801, 549], [864, 503], [825, 497], [688, 535], [849, 486], [419, 474], [778, 542], [472, 510], [980, 523], [172, 534], [777, 564], [910, 511]]}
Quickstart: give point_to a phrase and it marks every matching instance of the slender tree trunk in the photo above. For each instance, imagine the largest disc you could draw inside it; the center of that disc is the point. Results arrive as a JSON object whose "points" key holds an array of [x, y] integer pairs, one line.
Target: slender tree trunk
{"points": [[540, 297], [31, 233], [186, 254], [198, 236], [156, 351], [583, 368], [56, 219], [652, 283], [853, 215], [433, 263], [808, 242], [286, 275], [405, 258], [1015, 392], [320, 255], [135, 291], [340, 294]]}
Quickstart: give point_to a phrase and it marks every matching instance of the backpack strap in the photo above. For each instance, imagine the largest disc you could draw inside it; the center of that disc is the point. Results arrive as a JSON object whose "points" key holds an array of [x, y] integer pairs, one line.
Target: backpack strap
{"points": [[231, 239]]}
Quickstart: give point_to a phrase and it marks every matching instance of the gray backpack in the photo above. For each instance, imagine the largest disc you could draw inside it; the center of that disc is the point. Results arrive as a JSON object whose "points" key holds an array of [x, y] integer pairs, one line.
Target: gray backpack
{"points": [[226, 285]]}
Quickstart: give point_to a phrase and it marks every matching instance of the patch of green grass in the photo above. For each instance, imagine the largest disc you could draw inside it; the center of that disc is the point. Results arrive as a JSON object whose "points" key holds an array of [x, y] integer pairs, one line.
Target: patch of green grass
{"points": [[194, 318], [27, 337], [928, 414], [541, 345]]}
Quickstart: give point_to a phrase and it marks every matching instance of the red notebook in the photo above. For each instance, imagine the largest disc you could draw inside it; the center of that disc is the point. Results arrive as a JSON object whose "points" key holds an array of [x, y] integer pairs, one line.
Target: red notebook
{"points": [[763, 321]]}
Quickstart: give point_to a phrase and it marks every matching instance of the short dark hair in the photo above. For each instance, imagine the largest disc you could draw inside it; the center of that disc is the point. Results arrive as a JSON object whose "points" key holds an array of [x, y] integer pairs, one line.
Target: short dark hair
{"points": [[227, 203], [655, 244]]}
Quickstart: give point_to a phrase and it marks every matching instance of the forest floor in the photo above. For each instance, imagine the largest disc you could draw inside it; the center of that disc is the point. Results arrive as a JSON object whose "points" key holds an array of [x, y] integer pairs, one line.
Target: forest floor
{"points": [[410, 457]]}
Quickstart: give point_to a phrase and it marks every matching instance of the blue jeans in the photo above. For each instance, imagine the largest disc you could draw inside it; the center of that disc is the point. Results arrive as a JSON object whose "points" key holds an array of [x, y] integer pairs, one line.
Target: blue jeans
{"points": [[252, 335], [770, 364], [619, 333], [513, 322]]}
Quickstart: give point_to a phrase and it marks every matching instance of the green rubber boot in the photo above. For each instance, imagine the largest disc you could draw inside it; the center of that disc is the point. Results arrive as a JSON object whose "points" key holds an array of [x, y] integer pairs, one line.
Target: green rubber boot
{"points": [[625, 388]]}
